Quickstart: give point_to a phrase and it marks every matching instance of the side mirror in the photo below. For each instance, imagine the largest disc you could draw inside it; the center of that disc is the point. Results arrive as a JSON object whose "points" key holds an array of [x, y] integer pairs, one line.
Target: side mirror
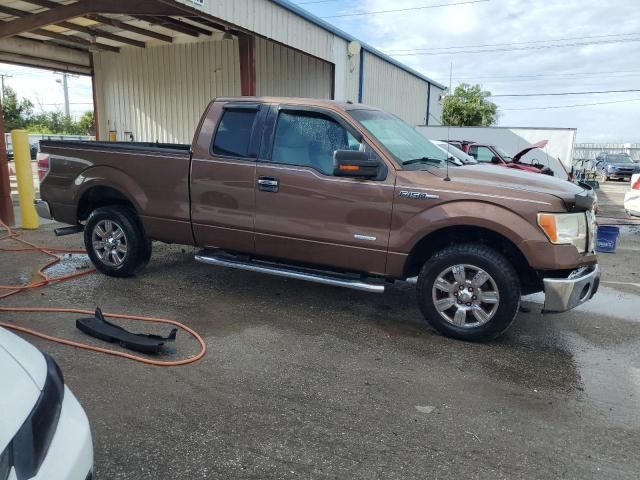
{"points": [[353, 163], [496, 160]]}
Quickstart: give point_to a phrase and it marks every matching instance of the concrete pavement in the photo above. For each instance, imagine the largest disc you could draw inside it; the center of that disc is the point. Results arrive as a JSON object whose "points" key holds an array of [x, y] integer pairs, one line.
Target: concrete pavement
{"points": [[309, 381]]}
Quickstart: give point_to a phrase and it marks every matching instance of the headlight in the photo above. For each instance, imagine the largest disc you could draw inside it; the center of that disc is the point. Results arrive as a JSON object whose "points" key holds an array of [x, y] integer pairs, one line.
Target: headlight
{"points": [[565, 228], [29, 446]]}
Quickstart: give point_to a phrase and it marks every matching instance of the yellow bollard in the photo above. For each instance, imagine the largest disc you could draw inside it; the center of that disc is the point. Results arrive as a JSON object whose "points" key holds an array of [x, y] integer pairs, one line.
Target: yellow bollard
{"points": [[24, 172]]}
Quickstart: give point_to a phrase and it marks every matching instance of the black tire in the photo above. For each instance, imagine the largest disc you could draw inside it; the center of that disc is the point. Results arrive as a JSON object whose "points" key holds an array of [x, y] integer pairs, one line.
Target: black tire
{"points": [[503, 276], [137, 248]]}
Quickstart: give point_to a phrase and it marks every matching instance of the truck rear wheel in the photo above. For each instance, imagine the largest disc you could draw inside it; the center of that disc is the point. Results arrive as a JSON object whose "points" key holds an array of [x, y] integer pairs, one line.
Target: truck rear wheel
{"points": [[469, 292], [115, 241]]}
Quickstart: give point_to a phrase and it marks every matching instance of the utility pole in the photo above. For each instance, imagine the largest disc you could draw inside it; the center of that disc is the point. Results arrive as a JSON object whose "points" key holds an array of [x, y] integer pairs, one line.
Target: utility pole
{"points": [[65, 88], [2, 77]]}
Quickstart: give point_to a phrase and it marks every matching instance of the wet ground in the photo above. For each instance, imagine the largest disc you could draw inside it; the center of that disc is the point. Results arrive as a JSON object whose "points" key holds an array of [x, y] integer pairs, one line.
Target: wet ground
{"points": [[309, 381]]}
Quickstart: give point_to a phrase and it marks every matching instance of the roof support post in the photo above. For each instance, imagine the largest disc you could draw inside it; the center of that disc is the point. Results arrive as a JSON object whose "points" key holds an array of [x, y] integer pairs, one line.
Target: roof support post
{"points": [[426, 120], [247, 44], [6, 206], [361, 77]]}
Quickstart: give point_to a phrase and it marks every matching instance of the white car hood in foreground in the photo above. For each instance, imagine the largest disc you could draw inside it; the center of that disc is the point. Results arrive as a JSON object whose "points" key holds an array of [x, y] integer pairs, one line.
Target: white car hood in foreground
{"points": [[23, 371], [632, 197]]}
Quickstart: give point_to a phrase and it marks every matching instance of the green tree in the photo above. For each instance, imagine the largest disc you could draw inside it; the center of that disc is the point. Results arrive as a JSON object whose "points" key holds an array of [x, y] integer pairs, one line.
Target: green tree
{"points": [[15, 111], [87, 123], [469, 107]]}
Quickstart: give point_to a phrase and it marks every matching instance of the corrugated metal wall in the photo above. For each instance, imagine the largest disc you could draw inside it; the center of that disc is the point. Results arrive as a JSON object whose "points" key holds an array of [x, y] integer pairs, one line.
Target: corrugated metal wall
{"points": [[394, 90], [272, 21], [158, 93], [282, 71], [435, 106]]}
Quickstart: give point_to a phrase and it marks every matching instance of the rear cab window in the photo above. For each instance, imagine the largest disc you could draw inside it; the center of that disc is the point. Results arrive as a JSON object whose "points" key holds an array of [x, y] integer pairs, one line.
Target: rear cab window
{"points": [[234, 133]]}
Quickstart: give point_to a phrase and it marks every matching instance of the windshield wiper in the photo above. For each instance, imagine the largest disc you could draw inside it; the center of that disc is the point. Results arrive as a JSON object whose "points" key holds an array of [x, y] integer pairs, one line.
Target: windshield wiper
{"points": [[422, 160]]}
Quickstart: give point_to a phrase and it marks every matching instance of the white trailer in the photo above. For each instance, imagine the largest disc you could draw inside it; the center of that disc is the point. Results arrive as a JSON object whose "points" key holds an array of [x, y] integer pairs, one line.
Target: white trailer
{"points": [[512, 139]]}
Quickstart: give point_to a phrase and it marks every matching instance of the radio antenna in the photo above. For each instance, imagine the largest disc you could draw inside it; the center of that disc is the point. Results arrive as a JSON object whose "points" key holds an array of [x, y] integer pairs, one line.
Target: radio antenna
{"points": [[447, 178]]}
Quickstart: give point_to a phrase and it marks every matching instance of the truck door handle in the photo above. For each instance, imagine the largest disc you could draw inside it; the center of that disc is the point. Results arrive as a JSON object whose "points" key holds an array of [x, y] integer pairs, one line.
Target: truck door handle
{"points": [[268, 184]]}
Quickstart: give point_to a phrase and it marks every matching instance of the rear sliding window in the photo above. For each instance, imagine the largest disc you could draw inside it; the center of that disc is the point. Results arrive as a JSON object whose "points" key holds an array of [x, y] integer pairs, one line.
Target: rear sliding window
{"points": [[234, 133]]}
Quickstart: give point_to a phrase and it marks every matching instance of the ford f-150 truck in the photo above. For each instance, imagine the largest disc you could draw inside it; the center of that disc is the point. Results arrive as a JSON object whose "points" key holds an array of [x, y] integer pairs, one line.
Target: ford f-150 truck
{"points": [[337, 193]]}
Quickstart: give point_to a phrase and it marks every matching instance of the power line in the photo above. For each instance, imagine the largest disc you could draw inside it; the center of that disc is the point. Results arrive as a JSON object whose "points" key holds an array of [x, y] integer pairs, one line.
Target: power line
{"points": [[513, 43], [573, 106], [377, 12], [562, 93], [579, 44], [548, 74]]}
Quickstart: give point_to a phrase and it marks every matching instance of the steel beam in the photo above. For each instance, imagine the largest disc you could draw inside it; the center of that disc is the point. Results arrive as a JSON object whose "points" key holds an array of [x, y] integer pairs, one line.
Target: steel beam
{"points": [[78, 28], [82, 8], [6, 206]]}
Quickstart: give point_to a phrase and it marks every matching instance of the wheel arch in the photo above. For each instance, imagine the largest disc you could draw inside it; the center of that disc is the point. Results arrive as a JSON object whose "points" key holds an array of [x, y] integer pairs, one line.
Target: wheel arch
{"points": [[101, 196], [460, 234]]}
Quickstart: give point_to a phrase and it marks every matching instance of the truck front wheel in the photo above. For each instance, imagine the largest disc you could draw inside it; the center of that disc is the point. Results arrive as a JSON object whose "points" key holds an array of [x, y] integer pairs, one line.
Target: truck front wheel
{"points": [[469, 292], [115, 241]]}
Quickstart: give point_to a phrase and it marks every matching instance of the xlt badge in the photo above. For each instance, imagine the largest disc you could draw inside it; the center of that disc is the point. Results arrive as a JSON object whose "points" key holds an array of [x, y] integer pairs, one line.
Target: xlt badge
{"points": [[417, 195]]}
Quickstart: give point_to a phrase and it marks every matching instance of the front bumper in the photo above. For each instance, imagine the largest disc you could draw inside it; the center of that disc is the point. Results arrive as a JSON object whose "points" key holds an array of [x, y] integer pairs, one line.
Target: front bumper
{"points": [[619, 175], [562, 294], [43, 209]]}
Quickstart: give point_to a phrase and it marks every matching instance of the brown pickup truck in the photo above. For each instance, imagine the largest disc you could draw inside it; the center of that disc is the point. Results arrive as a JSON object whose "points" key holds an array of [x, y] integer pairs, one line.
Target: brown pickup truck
{"points": [[337, 193]]}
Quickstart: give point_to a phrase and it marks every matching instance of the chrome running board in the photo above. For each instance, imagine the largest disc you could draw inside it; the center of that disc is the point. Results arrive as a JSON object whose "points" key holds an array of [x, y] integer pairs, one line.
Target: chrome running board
{"points": [[326, 278]]}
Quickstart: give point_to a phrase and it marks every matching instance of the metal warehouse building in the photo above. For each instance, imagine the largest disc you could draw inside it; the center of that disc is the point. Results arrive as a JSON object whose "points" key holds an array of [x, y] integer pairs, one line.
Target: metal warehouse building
{"points": [[157, 63]]}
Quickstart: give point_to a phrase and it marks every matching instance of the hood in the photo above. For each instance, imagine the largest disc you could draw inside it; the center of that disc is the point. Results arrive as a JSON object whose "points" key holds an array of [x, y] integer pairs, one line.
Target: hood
{"points": [[510, 181], [22, 376], [541, 144]]}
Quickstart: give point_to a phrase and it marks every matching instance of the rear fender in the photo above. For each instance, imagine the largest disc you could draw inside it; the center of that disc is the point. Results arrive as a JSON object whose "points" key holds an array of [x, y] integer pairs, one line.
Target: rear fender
{"points": [[103, 176]]}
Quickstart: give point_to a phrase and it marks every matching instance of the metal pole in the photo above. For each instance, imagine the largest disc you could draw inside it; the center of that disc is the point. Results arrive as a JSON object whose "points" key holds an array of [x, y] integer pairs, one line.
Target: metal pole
{"points": [[3, 76], [6, 207], [65, 86]]}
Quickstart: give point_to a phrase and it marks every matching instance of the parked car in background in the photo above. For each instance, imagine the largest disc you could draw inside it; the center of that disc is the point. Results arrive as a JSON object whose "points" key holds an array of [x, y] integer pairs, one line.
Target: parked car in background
{"points": [[486, 153], [44, 432], [33, 149], [632, 197], [615, 166], [336, 193], [455, 153]]}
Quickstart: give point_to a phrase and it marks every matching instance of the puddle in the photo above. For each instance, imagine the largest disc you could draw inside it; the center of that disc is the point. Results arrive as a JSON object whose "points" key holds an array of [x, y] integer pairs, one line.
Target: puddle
{"points": [[611, 380], [607, 302], [69, 263]]}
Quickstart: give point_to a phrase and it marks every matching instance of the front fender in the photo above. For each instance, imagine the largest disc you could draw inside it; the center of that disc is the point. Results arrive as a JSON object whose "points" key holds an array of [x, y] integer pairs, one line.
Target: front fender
{"points": [[464, 213]]}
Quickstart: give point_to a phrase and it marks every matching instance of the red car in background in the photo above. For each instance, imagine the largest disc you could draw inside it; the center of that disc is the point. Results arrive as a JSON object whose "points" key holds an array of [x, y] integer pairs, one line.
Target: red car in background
{"points": [[485, 153]]}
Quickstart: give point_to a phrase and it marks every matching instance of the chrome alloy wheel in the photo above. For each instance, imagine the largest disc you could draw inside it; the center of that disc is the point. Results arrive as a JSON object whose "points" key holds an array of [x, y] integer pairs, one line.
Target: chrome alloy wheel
{"points": [[109, 243], [465, 296]]}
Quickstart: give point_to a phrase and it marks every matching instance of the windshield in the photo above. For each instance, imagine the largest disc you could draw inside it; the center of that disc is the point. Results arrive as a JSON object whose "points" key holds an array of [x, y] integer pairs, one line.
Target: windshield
{"points": [[455, 152], [503, 154], [619, 159], [401, 140]]}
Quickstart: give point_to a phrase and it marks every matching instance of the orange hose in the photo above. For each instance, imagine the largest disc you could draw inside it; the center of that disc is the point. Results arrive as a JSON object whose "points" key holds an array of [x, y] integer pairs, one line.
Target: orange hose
{"points": [[44, 280]]}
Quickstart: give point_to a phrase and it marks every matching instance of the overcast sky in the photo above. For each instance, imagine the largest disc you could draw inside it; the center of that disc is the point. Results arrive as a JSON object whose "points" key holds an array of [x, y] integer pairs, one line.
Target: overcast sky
{"points": [[568, 69], [41, 88], [611, 64]]}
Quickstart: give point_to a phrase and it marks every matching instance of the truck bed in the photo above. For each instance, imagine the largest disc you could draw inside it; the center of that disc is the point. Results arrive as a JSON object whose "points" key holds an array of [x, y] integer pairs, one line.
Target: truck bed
{"points": [[142, 147], [152, 177]]}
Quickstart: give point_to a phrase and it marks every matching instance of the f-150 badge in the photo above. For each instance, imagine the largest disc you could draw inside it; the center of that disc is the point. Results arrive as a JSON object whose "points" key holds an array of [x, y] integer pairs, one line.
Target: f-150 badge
{"points": [[417, 195]]}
